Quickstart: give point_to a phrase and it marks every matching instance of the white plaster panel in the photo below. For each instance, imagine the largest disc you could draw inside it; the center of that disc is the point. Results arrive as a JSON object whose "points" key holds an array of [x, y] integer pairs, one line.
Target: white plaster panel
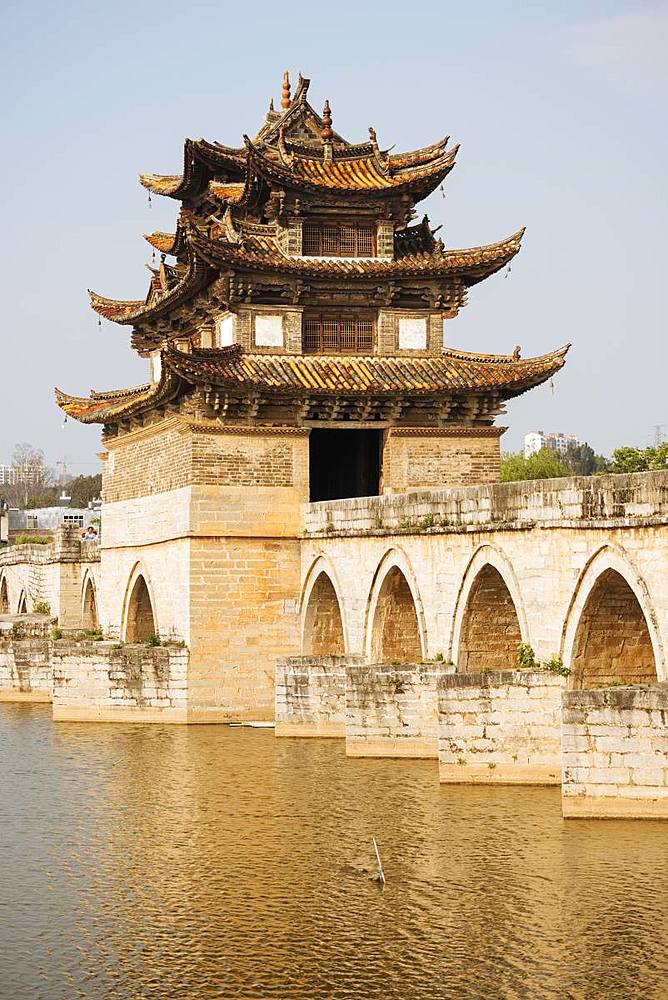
{"points": [[269, 331], [412, 333], [226, 331]]}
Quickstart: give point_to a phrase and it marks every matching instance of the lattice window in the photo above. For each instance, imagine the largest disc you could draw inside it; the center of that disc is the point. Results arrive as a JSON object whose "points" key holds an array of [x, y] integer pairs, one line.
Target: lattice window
{"points": [[338, 239], [331, 333]]}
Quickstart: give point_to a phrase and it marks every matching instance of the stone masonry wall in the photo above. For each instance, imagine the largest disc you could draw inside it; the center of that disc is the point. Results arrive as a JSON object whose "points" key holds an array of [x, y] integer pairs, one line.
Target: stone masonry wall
{"points": [[565, 503], [103, 682], [311, 696], [500, 727], [25, 670], [391, 710], [53, 574], [615, 752], [550, 541]]}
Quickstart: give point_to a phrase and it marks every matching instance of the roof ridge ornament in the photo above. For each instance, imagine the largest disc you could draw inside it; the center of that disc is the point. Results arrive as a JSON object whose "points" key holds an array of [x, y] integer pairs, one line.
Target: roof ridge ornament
{"points": [[285, 95], [327, 133]]}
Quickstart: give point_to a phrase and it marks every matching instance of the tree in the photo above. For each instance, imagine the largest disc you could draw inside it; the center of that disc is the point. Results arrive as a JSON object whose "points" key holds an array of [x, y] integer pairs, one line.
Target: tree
{"points": [[31, 475], [543, 464], [630, 459], [581, 460], [83, 489]]}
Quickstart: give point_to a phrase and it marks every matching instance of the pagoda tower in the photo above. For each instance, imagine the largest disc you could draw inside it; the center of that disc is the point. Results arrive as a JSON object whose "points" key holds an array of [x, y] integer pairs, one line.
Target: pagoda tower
{"points": [[296, 330]]}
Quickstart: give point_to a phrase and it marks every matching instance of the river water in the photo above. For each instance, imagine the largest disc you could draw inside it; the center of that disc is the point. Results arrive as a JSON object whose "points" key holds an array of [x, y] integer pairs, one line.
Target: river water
{"points": [[206, 862]]}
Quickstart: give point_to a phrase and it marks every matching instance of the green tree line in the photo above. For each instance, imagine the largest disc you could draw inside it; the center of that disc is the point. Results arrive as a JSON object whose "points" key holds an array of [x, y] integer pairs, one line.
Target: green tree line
{"points": [[581, 460]]}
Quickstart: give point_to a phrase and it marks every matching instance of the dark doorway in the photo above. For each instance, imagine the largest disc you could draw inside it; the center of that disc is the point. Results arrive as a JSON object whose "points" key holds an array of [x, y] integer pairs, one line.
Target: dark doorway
{"points": [[344, 464]]}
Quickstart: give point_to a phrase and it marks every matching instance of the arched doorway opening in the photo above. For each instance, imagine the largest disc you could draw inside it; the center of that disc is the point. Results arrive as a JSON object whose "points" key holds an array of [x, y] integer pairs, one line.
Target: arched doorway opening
{"points": [[323, 626], [22, 607], [395, 636], [490, 632], [612, 642], [140, 623], [4, 597], [90, 617]]}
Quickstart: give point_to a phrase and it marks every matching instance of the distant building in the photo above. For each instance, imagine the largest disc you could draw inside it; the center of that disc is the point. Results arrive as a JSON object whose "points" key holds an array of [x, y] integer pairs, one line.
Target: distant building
{"points": [[12, 475], [557, 441], [29, 474], [49, 518]]}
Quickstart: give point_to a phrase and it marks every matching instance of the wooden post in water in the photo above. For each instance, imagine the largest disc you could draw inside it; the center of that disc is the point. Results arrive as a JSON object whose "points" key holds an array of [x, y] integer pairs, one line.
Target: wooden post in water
{"points": [[380, 874]]}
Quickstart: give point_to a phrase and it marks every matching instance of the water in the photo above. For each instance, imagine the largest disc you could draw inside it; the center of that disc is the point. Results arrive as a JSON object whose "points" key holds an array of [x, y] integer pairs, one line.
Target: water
{"points": [[142, 861]]}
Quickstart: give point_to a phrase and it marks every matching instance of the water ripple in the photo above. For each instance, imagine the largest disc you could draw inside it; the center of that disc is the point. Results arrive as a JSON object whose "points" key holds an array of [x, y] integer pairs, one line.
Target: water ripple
{"points": [[165, 862]]}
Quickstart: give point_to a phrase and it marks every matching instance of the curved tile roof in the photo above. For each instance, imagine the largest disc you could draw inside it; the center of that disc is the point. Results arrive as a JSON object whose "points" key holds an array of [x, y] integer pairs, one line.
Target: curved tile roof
{"points": [[231, 369]]}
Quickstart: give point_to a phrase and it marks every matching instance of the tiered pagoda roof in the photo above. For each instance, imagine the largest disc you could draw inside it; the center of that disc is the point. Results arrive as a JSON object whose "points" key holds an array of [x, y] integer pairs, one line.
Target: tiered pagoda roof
{"points": [[231, 247], [455, 383], [254, 247]]}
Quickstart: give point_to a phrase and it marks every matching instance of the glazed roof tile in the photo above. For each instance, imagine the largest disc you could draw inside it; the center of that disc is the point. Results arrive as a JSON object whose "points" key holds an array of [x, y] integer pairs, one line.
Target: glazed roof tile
{"points": [[231, 369], [255, 253], [368, 374], [358, 174]]}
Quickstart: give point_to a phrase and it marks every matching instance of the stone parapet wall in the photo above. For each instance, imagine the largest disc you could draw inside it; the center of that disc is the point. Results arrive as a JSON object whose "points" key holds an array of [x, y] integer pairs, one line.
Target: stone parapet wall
{"points": [[500, 726], [25, 668], [391, 710], [635, 499], [615, 752], [107, 682], [52, 574], [311, 695]]}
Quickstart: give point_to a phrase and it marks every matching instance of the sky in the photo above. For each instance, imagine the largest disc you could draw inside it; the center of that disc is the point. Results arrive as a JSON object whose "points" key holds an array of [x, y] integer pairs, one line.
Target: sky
{"points": [[560, 109]]}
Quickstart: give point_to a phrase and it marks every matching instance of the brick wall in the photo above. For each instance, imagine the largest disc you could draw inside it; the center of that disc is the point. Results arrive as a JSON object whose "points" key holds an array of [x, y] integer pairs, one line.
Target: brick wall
{"points": [[391, 710], [612, 644], [396, 636], [323, 628], [615, 752], [385, 239], [500, 727], [388, 331], [424, 458], [490, 629], [236, 460], [149, 461]]}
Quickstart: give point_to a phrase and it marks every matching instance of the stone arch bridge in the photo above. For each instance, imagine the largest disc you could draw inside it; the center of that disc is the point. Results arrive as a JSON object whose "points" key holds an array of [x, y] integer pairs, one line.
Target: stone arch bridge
{"points": [[577, 569]]}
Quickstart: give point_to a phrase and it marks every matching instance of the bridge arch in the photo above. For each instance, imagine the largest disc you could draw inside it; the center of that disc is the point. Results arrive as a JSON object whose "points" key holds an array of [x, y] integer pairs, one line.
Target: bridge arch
{"points": [[22, 604], [4, 596], [139, 617], [395, 623], [323, 628], [610, 633], [89, 608], [490, 619]]}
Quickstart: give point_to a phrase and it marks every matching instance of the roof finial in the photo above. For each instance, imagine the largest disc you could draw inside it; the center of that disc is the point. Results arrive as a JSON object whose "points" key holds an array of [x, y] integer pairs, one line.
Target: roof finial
{"points": [[327, 134], [372, 135], [271, 104], [285, 97]]}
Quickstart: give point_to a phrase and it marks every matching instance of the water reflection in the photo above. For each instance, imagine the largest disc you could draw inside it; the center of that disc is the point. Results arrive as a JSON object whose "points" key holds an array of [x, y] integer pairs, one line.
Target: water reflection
{"points": [[140, 861]]}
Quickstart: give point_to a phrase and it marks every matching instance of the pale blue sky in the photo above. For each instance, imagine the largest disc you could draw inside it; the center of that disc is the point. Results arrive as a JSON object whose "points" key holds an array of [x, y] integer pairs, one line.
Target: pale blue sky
{"points": [[560, 109]]}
